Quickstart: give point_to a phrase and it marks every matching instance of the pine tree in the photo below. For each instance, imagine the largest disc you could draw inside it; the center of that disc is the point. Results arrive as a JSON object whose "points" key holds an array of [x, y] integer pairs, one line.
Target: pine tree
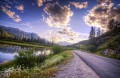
{"points": [[98, 32], [92, 33]]}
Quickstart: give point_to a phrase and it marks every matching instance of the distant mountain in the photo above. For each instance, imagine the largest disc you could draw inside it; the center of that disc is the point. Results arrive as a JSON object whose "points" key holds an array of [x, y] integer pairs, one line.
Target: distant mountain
{"points": [[19, 33], [64, 43], [5, 34], [82, 42]]}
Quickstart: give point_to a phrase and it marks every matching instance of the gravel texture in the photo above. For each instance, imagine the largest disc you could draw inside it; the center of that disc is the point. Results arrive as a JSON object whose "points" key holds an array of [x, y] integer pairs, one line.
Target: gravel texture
{"points": [[76, 68]]}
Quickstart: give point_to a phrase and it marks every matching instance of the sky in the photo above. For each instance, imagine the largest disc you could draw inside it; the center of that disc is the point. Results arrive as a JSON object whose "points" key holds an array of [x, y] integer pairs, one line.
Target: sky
{"points": [[59, 20]]}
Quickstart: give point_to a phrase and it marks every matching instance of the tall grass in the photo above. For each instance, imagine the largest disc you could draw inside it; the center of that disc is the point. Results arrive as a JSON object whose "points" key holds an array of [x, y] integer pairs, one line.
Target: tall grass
{"points": [[26, 59], [46, 70], [28, 65]]}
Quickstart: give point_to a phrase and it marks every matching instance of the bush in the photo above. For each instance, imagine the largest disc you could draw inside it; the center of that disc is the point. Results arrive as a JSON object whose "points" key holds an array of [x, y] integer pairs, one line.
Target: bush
{"points": [[41, 58], [57, 49], [83, 47], [26, 59], [88, 47], [92, 48]]}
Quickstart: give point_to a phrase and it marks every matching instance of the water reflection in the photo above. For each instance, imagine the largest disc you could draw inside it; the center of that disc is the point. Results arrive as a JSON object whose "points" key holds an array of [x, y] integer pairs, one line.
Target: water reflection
{"points": [[7, 52], [43, 52], [11, 48]]}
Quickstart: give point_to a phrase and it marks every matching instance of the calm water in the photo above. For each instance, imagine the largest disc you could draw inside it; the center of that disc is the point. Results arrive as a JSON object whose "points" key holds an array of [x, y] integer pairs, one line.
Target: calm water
{"points": [[8, 52]]}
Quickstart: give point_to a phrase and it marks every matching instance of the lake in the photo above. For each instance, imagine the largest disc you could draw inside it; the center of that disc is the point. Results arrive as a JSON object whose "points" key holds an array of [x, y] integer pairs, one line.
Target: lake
{"points": [[8, 52]]}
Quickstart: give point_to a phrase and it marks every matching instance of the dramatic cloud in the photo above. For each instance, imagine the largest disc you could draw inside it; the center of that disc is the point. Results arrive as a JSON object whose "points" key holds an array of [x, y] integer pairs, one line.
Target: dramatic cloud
{"points": [[21, 7], [11, 14], [105, 1], [58, 16], [101, 14], [56, 39], [51, 36], [55, 36], [67, 31], [79, 5], [40, 2], [77, 38]]}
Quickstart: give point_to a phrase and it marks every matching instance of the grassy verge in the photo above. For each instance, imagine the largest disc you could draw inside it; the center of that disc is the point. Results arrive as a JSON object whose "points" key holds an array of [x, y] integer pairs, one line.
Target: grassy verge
{"points": [[113, 56], [21, 44], [47, 69]]}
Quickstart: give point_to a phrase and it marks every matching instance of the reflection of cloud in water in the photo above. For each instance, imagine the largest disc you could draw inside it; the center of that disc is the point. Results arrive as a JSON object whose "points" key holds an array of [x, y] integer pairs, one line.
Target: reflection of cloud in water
{"points": [[11, 48], [7, 52], [6, 56], [43, 52]]}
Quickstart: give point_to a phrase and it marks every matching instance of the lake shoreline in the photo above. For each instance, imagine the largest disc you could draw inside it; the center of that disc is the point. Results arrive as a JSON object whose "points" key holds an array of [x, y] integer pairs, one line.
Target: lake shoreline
{"points": [[8, 51], [23, 44]]}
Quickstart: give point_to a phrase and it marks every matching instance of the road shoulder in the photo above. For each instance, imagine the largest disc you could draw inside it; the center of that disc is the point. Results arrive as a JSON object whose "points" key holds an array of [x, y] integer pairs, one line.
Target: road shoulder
{"points": [[76, 68]]}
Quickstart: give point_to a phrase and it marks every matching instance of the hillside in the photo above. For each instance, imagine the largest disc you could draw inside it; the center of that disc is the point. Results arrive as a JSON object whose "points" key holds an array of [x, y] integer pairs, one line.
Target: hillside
{"points": [[64, 43], [19, 33], [5, 34], [107, 44], [15, 34]]}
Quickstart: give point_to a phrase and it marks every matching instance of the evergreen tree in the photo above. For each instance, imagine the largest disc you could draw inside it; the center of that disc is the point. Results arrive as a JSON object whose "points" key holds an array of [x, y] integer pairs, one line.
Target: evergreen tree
{"points": [[92, 33], [98, 32]]}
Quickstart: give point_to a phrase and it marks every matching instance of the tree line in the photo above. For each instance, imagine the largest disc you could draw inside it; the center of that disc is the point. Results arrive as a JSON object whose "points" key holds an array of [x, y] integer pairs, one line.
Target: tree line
{"points": [[4, 35], [96, 32]]}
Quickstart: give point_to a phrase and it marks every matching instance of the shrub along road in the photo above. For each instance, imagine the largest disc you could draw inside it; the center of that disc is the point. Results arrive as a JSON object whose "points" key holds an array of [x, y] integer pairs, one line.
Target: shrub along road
{"points": [[86, 65]]}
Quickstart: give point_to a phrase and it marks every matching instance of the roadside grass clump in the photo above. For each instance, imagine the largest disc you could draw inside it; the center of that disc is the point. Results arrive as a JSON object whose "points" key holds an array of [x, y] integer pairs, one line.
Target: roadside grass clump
{"points": [[91, 48], [25, 59], [28, 59], [57, 49]]}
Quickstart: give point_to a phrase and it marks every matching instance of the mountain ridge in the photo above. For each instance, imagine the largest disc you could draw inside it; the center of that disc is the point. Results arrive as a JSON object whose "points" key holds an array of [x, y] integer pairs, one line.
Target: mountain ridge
{"points": [[20, 33]]}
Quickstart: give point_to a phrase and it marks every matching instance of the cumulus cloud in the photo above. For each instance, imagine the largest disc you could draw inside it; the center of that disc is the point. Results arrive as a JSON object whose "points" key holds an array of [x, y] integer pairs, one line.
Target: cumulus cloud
{"points": [[11, 14], [40, 2], [71, 36], [105, 1], [79, 5], [101, 14], [21, 7], [55, 36], [51, 36], [78, 38], [58, 16], [56, 39], [68, 31]]}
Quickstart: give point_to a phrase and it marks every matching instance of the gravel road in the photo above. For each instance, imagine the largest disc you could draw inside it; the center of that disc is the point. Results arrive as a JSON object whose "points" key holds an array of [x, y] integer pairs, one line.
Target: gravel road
{"points": [[87, 65], [76, 69], [104, 67]]}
